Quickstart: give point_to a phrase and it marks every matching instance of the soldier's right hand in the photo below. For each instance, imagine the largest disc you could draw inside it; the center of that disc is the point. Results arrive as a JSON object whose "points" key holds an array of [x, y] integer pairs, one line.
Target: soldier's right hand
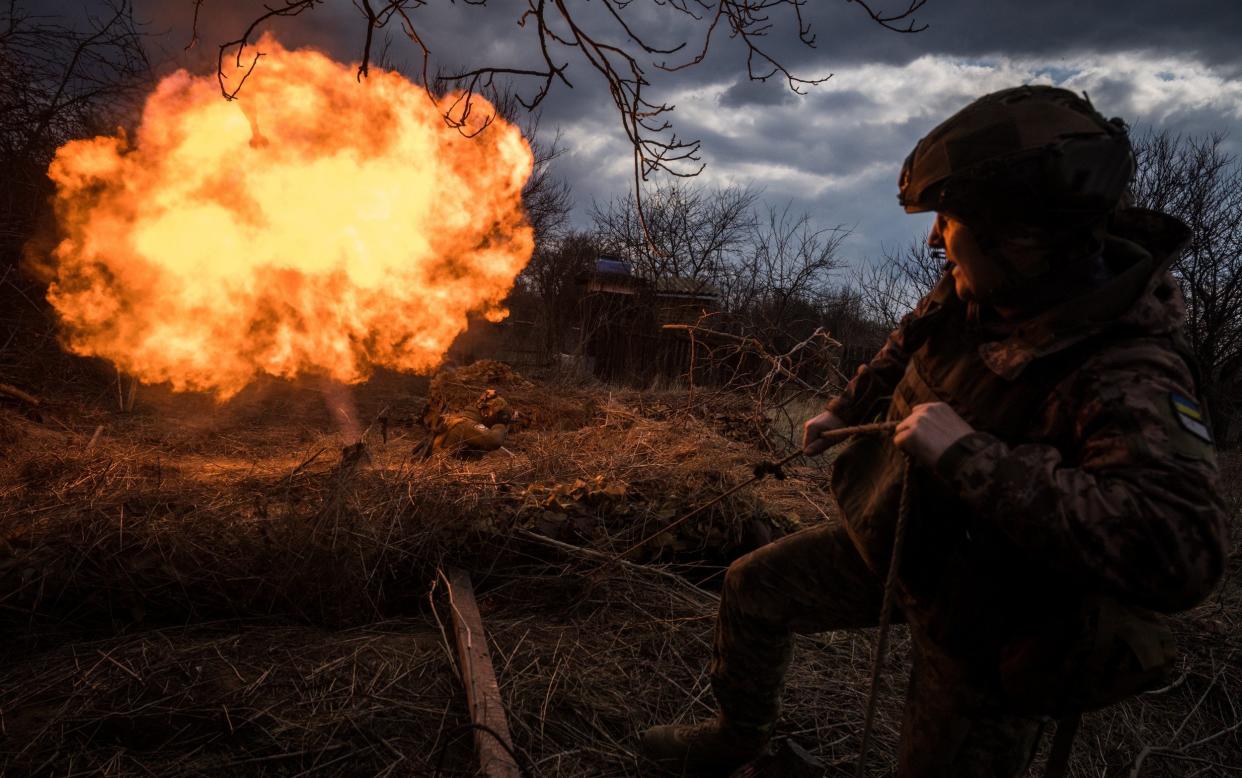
{"points": [[812, 443]]}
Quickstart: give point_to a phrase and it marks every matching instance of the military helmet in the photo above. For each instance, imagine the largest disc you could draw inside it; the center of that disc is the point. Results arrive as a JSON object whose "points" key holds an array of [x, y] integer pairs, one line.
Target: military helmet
{"points": [[1035, 153], [493, 408]]}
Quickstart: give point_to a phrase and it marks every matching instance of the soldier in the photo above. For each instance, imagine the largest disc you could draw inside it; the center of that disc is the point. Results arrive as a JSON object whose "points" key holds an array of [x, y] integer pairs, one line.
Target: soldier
{"points": [[1062, 479], [474, 430]]}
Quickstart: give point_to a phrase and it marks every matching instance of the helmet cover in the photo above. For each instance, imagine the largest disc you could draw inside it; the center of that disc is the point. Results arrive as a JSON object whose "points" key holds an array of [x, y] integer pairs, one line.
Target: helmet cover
{"points": [[1030, 153]]}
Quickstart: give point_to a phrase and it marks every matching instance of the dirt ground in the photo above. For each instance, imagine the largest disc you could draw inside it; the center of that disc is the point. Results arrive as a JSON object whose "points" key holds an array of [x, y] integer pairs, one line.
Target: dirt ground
{"points": [[189, 588]]}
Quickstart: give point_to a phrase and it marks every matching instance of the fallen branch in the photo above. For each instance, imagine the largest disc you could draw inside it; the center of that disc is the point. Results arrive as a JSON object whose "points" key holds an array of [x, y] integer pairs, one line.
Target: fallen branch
{"points": [[492, 740], [17, 394]]}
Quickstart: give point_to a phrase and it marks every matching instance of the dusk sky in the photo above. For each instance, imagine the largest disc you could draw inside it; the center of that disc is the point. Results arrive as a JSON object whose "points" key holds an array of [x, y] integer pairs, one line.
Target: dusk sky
{"points": [[836, 150]]}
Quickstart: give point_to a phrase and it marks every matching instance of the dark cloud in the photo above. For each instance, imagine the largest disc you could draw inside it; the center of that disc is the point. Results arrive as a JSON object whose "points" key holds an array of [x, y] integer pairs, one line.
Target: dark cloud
{"points": [[1208, 29], [809, 147], [1111, 92], [845, 100], [836, 150], [747, 92], [461, 34]]}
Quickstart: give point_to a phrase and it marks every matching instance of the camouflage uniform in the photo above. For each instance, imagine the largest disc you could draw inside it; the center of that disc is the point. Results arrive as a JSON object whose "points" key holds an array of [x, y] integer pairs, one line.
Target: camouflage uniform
{"points": [[473, 430], [1086, 495], [466, 432]]}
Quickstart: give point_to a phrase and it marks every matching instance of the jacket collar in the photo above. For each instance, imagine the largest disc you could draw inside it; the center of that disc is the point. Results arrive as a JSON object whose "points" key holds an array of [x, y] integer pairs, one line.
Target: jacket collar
{"points": [[1142, 296]]}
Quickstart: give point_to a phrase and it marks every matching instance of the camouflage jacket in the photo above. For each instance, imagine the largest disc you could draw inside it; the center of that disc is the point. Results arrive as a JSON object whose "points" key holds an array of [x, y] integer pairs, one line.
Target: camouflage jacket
{"points": [[464, 431], [1106, 483]]}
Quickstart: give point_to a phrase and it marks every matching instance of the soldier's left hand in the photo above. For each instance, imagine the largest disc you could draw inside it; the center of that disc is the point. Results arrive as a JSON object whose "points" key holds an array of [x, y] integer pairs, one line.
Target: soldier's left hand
{"points": [[929, 431]]}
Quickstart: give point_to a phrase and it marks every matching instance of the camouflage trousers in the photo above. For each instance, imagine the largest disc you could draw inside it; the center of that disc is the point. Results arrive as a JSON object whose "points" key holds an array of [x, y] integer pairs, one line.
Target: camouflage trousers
{"points": [[815, 581]]}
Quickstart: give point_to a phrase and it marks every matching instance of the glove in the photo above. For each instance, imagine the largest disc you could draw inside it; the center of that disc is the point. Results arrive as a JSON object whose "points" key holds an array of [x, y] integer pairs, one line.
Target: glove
{"points": [[812, 444]]}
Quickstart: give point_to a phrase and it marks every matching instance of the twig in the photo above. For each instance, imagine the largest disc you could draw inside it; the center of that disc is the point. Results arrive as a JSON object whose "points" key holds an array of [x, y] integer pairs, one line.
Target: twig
{"points": [[1167, 749], [593, 554]]}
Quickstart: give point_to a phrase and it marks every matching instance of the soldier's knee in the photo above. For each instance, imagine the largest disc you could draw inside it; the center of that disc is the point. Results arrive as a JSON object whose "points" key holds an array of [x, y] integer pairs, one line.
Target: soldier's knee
{"points": [[739, 580], [733, 577]]}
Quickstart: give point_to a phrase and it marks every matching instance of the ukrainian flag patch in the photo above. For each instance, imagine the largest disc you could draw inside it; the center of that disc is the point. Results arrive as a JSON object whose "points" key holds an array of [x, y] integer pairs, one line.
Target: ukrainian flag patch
{"points": [[1190, 416]]}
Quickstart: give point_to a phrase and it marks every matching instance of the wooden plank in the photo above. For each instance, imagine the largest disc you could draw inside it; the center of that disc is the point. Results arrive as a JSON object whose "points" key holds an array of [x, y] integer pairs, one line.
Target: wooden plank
{"points": [[482, 691]]}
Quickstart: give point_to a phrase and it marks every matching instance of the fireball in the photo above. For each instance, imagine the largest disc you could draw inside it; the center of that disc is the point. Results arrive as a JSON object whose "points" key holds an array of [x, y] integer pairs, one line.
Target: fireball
{"points": [[314, 225]]}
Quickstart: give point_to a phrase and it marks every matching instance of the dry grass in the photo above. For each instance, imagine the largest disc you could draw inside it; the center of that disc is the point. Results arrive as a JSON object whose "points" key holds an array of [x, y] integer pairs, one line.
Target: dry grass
{"points": [[211, 591], [149, 576]]}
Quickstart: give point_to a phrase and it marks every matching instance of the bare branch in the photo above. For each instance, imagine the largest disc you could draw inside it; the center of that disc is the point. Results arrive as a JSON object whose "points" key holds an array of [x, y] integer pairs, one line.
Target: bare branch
{"points": [[889, 21], [290, 8], [560, 36], [60, 80]]}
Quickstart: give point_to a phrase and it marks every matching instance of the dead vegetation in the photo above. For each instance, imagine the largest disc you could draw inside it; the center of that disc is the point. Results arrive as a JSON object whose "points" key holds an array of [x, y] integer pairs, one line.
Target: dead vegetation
{"points": [[202, 591]]}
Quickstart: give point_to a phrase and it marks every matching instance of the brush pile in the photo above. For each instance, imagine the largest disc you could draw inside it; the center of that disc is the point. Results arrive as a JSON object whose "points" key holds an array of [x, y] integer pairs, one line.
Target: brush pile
{"points": [[195, 590]]}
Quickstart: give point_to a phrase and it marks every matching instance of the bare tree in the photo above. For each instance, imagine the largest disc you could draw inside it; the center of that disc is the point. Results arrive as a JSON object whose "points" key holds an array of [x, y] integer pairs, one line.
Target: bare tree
{"points": [[890, 288], [545, 195], [614, 38], [1194, 179], [688, 231], [783, 275], [59, 79], [771, 268], [552, 276]]}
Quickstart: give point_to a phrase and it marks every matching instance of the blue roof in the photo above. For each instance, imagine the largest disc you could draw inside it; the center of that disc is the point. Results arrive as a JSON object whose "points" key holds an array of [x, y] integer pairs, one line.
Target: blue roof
{"points": [[610, 265]]}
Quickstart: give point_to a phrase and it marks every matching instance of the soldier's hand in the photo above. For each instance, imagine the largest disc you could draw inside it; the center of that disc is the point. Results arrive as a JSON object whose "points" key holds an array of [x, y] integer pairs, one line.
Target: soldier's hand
{"points": [[812, 445], [929, 431]]}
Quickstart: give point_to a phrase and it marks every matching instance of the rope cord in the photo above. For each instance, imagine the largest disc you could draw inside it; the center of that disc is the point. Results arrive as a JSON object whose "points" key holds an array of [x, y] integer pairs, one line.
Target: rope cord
{"points": [[886, 613]]}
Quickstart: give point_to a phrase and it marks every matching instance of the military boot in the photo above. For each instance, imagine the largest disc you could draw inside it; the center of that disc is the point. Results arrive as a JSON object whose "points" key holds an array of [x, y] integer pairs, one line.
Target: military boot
{"points": [[711, 747]]}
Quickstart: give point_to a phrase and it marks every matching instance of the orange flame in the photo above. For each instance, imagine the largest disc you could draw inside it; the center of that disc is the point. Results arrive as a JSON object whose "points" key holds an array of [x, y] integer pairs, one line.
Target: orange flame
{"points": [[314, 225]]}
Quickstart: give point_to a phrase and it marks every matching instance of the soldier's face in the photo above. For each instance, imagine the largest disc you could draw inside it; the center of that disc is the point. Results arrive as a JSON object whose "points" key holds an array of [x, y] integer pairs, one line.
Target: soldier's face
{"points": [[975, 277]]}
